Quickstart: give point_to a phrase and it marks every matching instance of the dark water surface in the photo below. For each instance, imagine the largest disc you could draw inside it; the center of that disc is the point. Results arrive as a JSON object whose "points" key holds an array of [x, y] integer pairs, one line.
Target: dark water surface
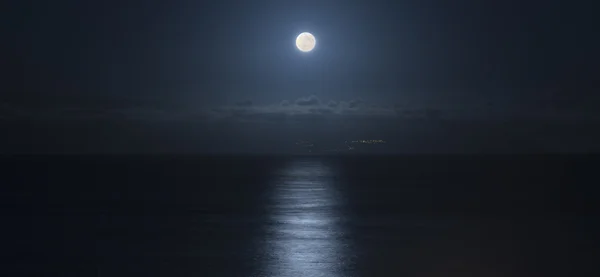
{"points": [[299, 216]]}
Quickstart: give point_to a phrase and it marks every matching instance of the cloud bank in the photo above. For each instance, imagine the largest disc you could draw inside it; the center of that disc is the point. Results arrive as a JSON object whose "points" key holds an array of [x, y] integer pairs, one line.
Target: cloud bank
{"points": [[304, 107], [309, 107], [274, 127]]}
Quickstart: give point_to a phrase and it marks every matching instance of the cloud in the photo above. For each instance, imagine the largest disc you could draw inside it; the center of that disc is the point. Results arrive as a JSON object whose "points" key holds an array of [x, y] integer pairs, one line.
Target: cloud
{"points": [[303, 108], [308, 101], [309, 108], [355, 103]]}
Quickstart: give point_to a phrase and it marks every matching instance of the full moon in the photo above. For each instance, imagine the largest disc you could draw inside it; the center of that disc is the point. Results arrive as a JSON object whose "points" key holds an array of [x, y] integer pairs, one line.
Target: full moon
{"points": [[306, 42]]}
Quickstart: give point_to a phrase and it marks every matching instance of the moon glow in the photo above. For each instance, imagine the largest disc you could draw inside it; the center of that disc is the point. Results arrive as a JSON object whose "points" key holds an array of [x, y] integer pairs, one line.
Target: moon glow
{"points": [[306, 42]]}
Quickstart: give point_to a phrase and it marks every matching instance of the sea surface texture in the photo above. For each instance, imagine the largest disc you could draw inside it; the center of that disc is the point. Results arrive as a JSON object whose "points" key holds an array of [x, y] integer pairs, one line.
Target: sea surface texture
{"points": [[299, 216]]}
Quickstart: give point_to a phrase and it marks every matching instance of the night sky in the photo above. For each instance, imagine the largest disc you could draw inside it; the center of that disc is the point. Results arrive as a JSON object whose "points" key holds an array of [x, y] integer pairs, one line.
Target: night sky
{"points": [[225, 76]]}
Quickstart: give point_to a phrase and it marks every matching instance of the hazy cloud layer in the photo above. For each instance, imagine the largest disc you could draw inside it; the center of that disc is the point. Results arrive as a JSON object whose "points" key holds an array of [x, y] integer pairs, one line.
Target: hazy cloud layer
{"points": [[267, 128], [313, 107], [244, 110], [308, 101], [309, 107], [305, 107]]}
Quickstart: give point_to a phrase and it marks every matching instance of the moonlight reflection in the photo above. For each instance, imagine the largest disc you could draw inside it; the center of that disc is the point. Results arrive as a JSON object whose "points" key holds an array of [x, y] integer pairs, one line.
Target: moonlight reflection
{"points": [[304, 236]]}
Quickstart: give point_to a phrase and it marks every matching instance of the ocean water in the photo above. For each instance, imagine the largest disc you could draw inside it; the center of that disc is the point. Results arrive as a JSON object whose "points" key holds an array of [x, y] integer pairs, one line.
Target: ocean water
{"points": [[299, 216]]}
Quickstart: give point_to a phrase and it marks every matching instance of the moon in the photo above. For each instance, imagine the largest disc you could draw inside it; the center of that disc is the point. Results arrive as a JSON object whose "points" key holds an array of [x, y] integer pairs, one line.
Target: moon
{"points": [[306, 42]]}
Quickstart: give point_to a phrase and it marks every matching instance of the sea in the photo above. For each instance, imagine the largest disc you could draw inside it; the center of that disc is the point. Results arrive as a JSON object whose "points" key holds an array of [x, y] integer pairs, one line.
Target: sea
{"points": [[299, 216]]}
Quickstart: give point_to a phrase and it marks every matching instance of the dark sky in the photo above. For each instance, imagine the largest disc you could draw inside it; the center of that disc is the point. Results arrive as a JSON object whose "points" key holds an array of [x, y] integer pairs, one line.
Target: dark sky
{"points": [[225, 76]]}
